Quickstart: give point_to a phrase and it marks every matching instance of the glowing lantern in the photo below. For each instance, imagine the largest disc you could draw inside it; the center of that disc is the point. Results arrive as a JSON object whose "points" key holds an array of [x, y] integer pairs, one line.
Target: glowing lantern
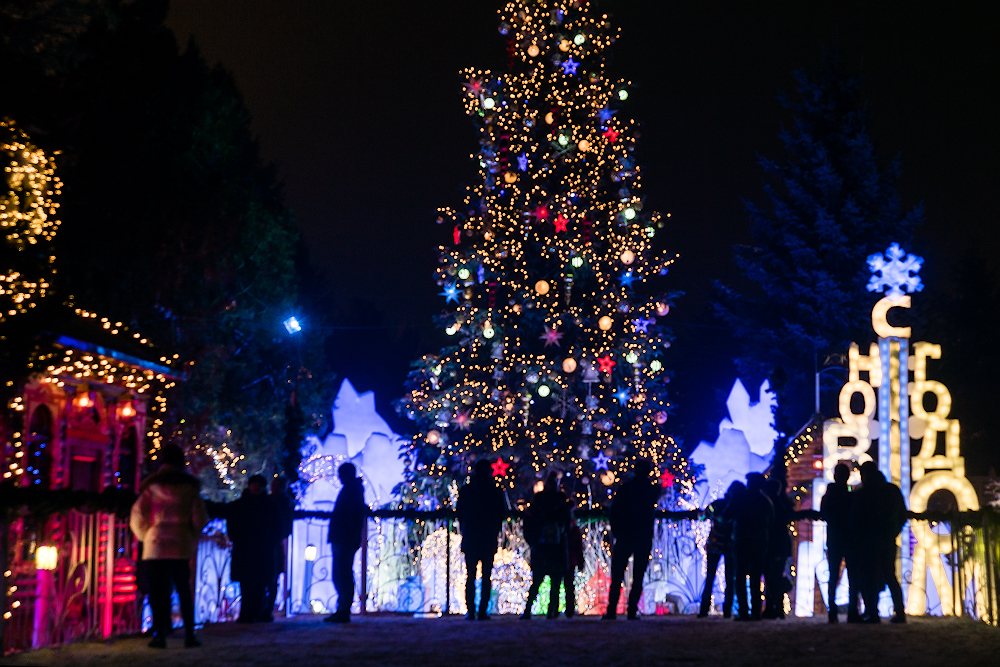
{"points": [[128, 410], [539, 486], [577, 262], [84, 400], [628, 257], [584, 145], [569, 365], [533, 50], [629, 213], [543, 390], [46, 558], [542, 287], [489, 103], [509, 177], [433, 437], [662, 309], [605, 323]]}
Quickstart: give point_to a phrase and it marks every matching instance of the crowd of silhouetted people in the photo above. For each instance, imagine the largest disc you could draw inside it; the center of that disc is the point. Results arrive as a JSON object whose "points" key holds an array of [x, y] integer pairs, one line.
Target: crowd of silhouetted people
{"points": [[749, 536]]}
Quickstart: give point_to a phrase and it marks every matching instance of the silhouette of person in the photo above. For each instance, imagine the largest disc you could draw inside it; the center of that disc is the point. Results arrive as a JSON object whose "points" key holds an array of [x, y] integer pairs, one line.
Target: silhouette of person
{"points": [[481, 510], [251, 523], [721, 544], [877, 515], [753, 513], [836, 511], [167, 518], [575, 551], [284, 506], [779, 550], [545, 529], [347, 525], [633, 512]]}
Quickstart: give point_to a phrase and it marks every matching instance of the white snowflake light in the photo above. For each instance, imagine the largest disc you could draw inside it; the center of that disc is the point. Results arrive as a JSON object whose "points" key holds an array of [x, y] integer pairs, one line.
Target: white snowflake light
{"points": [[898, 272]]}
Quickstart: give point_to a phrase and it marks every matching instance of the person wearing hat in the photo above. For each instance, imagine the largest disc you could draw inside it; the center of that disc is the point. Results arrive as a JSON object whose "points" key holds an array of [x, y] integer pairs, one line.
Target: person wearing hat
{"points": [[167, 518]]}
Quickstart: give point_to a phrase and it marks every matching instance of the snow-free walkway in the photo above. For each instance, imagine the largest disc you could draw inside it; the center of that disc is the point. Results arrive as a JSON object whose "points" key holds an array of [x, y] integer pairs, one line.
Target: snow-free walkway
{"points": [[388, 641]]}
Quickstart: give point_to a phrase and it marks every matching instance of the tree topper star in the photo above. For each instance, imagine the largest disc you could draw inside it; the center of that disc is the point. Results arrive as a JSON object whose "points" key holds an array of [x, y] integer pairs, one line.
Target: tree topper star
{"points": [[569, 67], [499, 467], [450, 293], [551, 336], [601, 461]]}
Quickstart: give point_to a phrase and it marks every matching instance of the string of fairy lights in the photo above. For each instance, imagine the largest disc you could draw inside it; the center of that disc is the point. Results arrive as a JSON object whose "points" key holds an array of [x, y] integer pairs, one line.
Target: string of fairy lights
{"points": [[557, 360]]}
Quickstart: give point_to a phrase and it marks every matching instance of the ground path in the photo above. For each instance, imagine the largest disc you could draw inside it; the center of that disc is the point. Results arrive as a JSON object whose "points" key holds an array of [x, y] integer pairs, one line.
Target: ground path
{"points": [[389, 641]]}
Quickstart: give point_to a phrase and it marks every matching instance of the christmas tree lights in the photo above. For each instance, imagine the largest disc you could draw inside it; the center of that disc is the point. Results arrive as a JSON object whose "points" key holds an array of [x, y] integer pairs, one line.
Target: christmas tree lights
{"points": [[550, 282], [27, 221]]}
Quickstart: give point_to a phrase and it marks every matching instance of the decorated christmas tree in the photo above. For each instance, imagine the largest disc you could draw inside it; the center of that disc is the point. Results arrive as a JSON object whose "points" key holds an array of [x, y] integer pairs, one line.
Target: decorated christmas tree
{"points": [[553, 287]]}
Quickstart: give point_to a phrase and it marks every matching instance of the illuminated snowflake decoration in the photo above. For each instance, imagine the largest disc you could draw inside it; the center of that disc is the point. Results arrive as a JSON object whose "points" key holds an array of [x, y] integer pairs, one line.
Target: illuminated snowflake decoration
{"points": [[896, 272]]}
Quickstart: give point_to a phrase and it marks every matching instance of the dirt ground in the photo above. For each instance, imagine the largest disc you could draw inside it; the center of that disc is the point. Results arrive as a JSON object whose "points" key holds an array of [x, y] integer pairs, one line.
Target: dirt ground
{"points": [[681, 640]]}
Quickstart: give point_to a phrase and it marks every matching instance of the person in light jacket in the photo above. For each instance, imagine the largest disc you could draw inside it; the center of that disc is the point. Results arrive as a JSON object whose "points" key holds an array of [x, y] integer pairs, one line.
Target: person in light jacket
{"points": [[167, 518]]}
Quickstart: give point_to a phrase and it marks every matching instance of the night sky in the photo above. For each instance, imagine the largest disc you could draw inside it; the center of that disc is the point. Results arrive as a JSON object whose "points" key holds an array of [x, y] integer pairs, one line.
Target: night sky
{"points": [[358, 104]]}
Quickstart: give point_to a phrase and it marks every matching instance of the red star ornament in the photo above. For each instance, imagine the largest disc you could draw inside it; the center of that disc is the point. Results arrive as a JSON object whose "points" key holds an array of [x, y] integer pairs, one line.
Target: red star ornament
{"points": [[560, 223], [541, 212], [610, 134], [666, 479], [606, 363], [500, 467]]}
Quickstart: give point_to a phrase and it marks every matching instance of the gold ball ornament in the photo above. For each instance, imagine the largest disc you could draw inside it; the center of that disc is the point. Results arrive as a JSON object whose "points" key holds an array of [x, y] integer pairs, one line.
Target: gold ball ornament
{"points": [[533, 50], [660, 417], [509, 177], [549, 118], [605, 323], [662, 309], [584, 145], [433, 437], [569, 365], [628, 257], [542, 287], [564, 45]]}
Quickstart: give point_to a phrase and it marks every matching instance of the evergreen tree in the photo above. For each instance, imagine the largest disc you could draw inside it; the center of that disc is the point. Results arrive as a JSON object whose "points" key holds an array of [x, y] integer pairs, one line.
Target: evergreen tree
{"points": [[828, 205], [552, 284]]}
